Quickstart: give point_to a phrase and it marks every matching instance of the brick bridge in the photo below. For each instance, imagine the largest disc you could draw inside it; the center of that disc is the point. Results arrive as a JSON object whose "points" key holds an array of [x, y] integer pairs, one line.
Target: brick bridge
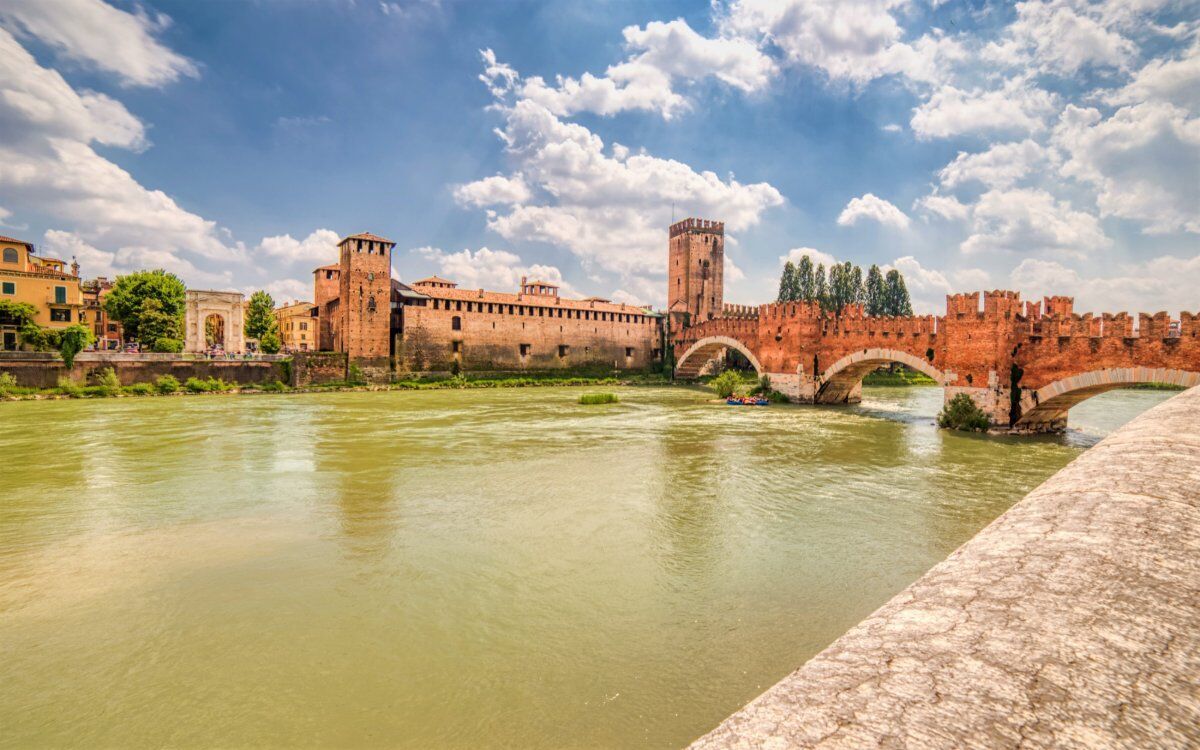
{"points": [[1024, 364]]}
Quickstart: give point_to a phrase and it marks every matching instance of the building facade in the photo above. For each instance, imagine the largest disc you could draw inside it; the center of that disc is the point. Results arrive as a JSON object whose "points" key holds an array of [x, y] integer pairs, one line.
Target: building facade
{"points": [[44, 283], [298, 327], [108, 331], [696, 271]]}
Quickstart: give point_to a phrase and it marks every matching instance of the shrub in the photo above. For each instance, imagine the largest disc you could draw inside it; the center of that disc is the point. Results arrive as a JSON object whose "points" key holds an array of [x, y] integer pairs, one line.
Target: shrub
{"points": [[727, 383], [167, 345], [962, 414], [276, 387], [108, 382], [166, 384], [72, 340], [598, 398], [354, 375], [139, 389], [69, 387], [8, 383], [196, 385], [775, 397]]}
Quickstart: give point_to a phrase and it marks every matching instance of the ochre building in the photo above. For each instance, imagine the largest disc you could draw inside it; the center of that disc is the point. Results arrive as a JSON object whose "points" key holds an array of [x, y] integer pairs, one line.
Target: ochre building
{"points": [[44, 283], [385, 326], [298, 327]]}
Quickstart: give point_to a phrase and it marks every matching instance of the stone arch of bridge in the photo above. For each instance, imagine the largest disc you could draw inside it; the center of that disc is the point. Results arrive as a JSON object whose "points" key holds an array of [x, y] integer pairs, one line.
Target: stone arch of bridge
{"points": [[1046, 407], [840, 381], [699, 354]]}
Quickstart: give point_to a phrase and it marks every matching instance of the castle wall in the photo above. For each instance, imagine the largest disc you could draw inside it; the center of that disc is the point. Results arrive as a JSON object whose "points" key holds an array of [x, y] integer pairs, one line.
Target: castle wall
{"points": [[530, 337], [696, 269]]}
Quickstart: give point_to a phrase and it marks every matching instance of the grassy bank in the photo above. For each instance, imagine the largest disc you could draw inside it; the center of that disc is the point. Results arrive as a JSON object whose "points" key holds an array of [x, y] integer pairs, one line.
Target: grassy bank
{"points": [[901, 376], [108, 387]]}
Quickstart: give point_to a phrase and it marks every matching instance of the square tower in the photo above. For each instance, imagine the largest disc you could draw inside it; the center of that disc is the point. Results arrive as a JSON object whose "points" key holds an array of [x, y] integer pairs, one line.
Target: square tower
{"points": [[364, 298], [696, 269]]}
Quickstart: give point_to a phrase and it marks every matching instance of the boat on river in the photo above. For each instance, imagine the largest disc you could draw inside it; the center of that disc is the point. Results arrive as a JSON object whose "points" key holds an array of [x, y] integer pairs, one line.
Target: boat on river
{"points": [[746, 401]]}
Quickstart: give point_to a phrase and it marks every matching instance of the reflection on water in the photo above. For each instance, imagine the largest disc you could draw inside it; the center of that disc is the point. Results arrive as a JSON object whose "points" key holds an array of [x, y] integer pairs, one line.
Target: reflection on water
{"points": [[463, 569]]}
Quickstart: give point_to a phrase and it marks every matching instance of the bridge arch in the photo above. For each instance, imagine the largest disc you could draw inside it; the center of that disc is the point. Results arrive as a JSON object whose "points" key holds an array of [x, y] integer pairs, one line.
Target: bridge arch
{"points": [[1046, 407], [702, 352], [841, 379]]}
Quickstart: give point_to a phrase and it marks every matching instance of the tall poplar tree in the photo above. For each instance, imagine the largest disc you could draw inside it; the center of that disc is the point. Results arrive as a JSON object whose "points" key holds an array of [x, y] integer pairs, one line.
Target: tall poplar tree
{"points": [[806, 282], [856, 284], [787, 283], [896, 294], [874, 291], [821, 287]]}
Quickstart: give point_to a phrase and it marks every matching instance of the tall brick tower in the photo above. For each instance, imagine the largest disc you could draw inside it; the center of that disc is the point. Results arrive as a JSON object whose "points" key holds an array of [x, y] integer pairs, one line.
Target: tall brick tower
{"points": [[364, 304], [696, 272]]}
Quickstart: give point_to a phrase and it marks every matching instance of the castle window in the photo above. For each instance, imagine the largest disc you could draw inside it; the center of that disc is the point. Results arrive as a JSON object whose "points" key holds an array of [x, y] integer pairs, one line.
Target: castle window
{"points": [[525, 350], [10, 255], [456, 347], [541, 312], [359, 245], [563, 350], [629, 352], [456, 323], [458, 306], [371, 303]]}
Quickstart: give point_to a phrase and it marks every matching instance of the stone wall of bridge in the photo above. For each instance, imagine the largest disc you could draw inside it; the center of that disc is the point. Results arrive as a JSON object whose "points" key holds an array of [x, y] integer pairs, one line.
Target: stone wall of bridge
{"points": [[1001, 352]]}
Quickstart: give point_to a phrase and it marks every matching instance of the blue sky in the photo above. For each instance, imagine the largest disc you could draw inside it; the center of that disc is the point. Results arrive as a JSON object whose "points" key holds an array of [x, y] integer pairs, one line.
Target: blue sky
{"points": [[1048, 146]]}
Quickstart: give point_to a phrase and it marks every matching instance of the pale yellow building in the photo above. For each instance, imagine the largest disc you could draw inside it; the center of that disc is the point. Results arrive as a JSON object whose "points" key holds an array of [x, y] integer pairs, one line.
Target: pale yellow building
{"points": [[44, 283], [297, 327]]}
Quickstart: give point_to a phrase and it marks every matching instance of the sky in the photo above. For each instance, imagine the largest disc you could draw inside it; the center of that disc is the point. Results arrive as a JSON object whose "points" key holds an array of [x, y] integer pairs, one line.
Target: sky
{"points": [[1050, 146]]}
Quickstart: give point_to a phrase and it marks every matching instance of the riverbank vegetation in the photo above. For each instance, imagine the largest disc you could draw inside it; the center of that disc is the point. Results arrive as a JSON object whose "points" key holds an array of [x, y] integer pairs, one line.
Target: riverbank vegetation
{"points": [[898, 375], [735, 383]]}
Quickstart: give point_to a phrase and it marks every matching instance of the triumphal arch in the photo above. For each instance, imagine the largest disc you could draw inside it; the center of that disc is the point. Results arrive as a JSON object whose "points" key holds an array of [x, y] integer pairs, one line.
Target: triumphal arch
{"points": [[214, 320]]}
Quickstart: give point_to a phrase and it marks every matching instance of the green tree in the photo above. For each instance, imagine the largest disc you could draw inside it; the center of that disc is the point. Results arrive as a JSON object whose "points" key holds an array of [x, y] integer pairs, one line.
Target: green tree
{"points": [[155, 324], [787, 283], [961, 413], [72, 340], [270, 344], [260, 316], [858, 291], [874, 291], [806, 283], [821, 287], [896, 294], [125, 301]]}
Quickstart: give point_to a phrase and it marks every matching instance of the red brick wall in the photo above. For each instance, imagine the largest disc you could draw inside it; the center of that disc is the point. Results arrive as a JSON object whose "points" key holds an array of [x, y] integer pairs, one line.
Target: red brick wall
{"points": [[365, 295], [696, 268]]}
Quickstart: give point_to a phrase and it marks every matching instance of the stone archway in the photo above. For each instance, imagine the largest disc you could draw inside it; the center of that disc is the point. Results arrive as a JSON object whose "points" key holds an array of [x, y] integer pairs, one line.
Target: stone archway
{"points": [[1045, 409], [840, 382], [201, 305], [699, 354]]}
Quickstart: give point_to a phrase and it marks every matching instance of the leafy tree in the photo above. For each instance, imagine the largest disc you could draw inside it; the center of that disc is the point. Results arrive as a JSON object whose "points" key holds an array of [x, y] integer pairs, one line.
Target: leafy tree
{"points": [[821, 287], [806, 283], [72, 340], [125, 302], [896, 295], [155, 324], [874, 291], [787, 283], [16, 313], [269, 342], [858, 292], [727, 383], [260, 316], [167, 345]]}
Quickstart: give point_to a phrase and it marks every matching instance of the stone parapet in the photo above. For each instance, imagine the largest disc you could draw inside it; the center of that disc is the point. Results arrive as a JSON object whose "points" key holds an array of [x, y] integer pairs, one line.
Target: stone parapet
{"points": [[1073, 620]]}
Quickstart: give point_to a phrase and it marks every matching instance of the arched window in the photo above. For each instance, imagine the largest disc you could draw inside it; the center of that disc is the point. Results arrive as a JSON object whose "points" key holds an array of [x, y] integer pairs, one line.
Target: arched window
{"points": [[371, 303], [456, 323], [10, 255]]}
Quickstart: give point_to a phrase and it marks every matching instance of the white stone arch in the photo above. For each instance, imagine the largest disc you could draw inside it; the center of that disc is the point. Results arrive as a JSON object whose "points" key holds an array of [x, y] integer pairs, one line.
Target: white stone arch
{"points": [[200, 304], [1046, 407], [699, 354], [840, 381]]}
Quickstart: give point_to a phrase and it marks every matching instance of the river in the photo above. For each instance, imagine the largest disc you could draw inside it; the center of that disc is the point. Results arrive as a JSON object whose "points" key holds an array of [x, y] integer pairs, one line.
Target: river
{"points": [[463, 569]]}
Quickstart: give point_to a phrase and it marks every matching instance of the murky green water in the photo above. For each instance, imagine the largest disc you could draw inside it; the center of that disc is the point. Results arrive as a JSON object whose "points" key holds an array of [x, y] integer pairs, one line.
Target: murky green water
{"points": [[461, 569]]}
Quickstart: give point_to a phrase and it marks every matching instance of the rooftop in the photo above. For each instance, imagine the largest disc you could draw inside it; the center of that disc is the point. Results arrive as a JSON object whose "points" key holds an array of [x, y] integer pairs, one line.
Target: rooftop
{"points": [[16, 241], [366, 236]]}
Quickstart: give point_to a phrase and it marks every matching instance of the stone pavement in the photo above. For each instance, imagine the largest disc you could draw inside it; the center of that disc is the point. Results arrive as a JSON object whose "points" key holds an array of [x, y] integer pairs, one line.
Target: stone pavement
{"points": [[1071, 621]]}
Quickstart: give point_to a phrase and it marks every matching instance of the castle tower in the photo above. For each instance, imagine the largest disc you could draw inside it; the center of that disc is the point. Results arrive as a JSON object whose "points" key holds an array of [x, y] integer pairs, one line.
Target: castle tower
{"points": [[696, 270], [364, 304]]}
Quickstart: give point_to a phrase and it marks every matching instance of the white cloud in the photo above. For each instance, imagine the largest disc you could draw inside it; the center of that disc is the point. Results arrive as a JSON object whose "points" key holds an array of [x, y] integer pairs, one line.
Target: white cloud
{"points": [[1031, 221], [97, 34], [1061, 37], [493, 270], [96, 262], [1015, 107], [610, 212], [284, 291], [816, 256], [1143, 161], [494, 190], [1176, 81], [971, 279], [1165, 282], [927, 287], [946, 206], [317, 249], [892, 127], [872, 208], [1001, 166], [662, 54], [850, 40]]}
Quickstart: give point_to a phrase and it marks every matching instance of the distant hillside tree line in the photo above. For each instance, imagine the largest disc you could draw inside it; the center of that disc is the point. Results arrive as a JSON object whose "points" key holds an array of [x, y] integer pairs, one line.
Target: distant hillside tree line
{"points": [[844, 284]]}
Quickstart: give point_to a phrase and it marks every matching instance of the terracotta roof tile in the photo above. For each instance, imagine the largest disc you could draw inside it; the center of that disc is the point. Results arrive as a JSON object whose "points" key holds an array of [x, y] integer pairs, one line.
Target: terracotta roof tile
{"points": [[366, 236], [14, 239], [434, 280]]}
